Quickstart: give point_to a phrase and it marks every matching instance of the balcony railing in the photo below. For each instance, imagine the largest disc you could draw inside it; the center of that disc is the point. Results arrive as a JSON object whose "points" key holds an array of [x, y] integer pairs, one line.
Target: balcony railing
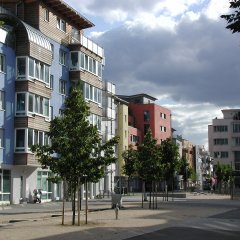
{"points": [[87, 43]]}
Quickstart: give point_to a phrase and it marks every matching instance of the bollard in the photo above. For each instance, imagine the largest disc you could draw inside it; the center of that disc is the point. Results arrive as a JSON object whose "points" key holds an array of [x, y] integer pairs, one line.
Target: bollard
{"points": [[116, 211]]}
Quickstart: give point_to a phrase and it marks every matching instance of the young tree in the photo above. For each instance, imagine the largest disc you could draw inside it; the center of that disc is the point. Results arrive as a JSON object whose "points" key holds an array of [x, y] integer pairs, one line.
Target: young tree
{"points": [[170, 157], [233, 19], [76, 153], [130, 159], [148, 160], [183, 169]]}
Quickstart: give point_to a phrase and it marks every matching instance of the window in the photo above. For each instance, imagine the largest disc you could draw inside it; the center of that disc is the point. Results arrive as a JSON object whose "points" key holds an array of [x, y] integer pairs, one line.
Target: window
{"points": [[163, 115], [220, 128], [134, 138], [220, 141], [2, 100], [62, 57], [62, 87], [80, 60], [95, 120], [21, 102], [146, 116], [220, 154], [99, 72], [1, 137], [52, 47], [61, 24], [25, 138], [21, 67], [34, 68], [51, 81], [36, 104], [20, 140], [2, 63], [74, 59], [92, 93], [44, 184], [236, 141], [31, 68], [163, 129], [75, 33], [5, 185], [236, 127], [46, 15]]}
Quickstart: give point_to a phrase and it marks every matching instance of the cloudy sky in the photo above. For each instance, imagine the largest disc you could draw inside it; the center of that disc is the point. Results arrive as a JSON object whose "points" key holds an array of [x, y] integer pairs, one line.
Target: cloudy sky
{"points": [[177, 51]]}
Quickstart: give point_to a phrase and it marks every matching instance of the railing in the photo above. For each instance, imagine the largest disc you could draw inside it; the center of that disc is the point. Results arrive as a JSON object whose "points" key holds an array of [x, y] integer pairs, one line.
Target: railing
{"points": [[87, 43]]}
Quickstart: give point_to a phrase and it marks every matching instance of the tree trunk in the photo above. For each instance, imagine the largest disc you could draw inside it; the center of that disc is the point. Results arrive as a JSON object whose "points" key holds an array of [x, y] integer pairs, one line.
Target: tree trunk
{"points": [[142, 193], [79, 200], [73, 203], [86, 208], [63, 202]]}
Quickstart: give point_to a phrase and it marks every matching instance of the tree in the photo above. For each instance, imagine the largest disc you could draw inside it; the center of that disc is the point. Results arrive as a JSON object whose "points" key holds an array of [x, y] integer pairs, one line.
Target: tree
{"points": [[130, 159], [223, 173], [170, 157], [183, 169], [233, 19], [76, 153], [148, 160]]}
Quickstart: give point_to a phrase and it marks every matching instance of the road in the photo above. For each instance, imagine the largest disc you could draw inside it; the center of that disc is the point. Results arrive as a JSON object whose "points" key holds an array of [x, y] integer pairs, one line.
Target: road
{"points": [[205, 217]]}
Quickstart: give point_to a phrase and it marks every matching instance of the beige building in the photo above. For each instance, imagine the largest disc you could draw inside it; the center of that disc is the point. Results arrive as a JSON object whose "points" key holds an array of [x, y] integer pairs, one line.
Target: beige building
{"points": [[224, 138], [122, 132]]}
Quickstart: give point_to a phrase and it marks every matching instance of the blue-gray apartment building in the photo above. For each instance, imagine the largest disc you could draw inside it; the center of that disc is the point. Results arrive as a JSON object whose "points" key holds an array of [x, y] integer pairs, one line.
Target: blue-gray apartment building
{"points": [[43, 52]]}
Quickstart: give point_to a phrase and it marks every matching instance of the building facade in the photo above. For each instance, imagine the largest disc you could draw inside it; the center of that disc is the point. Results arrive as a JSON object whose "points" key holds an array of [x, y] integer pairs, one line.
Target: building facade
{"points": [[145, 113], [224, 138], [43, 52]]}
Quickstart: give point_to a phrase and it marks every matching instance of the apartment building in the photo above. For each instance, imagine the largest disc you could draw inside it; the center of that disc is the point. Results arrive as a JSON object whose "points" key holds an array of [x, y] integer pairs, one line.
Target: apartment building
{"points": [[224, 138], [43, 52], [145, 113]]}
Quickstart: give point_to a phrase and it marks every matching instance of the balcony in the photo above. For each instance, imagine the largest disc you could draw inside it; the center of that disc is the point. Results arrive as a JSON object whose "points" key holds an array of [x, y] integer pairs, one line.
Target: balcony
{"points": [[87, 43], [26, 159]]}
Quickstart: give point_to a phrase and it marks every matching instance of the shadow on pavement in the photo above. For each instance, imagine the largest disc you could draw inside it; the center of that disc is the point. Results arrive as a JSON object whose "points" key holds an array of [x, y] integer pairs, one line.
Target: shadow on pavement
{"points": [[172, 233]]}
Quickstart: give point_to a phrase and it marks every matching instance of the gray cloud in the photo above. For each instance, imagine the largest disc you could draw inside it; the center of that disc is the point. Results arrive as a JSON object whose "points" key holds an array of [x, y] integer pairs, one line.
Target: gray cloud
{"points": [[197, 63]]}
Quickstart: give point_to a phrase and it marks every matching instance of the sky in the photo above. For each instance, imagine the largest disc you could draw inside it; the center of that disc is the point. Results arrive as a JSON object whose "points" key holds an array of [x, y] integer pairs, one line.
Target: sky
{"points": [[177, 51]]}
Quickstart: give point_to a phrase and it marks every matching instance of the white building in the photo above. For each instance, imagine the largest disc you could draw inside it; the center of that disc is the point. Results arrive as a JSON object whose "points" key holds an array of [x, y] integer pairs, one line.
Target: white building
{"points": [[224, 138]]}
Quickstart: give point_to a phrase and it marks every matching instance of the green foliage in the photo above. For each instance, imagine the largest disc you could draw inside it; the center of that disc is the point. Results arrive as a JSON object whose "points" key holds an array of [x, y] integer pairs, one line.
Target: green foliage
{"points": [[223, 172], [130, 159], [233, 19], [148, 158], [182, 168], [76, 150], [170, 157]]}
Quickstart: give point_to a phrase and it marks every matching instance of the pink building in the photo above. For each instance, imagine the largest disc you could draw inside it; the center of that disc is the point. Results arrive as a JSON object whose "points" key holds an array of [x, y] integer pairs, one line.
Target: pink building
{"points": [[144, 113]]}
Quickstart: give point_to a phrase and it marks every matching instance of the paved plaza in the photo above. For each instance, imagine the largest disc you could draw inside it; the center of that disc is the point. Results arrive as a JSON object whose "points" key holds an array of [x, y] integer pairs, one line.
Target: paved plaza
{"points": [[199, 216]]}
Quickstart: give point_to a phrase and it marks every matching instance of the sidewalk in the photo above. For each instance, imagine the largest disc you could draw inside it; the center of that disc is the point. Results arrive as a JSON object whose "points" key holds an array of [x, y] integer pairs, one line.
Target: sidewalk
{"points": [[43, 221]]}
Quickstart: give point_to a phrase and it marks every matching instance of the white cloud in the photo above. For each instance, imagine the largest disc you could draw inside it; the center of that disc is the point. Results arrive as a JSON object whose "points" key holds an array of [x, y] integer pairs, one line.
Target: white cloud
{"points": [[216, 8]]}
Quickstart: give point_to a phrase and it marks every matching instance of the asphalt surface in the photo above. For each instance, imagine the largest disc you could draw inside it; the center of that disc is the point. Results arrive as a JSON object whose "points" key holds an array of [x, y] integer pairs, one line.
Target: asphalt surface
{"points": [[200, 216]]}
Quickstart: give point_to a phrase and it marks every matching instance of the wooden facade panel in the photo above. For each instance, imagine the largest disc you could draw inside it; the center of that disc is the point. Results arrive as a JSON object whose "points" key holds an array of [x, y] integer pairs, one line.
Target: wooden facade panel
{"points": [[50, 28], [37, 122], [40, 53], [31, 13], [86, 77], [22, 43], [94, 108], [39, 88], [35, 87], [80, 48], [26, 159], [21, 122]]}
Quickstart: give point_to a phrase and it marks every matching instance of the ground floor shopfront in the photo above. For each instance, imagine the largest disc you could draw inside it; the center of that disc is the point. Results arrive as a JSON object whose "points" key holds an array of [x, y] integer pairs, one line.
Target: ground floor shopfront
{"points": [[18, 182]]}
